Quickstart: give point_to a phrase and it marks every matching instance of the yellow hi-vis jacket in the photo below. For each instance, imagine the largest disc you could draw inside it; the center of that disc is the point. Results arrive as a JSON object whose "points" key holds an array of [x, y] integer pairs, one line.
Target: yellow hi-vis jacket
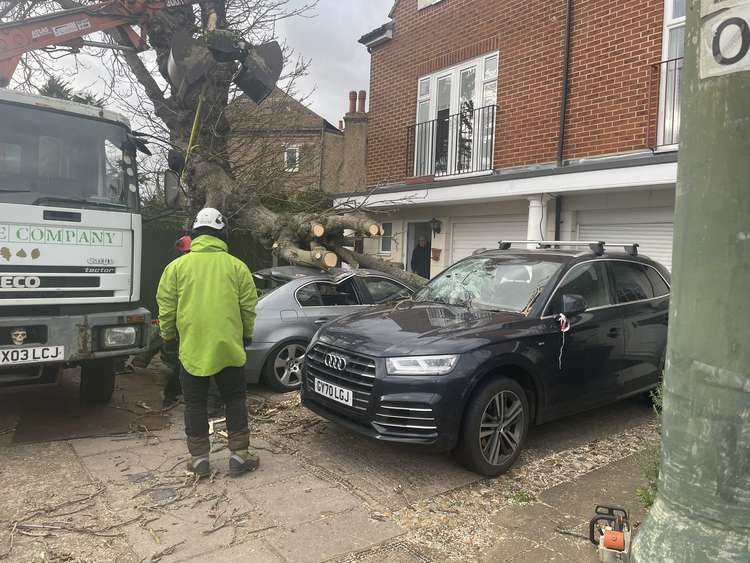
{"points": [[208, 297]]}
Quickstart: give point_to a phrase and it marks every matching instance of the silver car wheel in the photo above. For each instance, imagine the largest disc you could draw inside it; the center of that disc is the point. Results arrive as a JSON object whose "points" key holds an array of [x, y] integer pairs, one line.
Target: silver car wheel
{"points": [[287, 365], [501, 428]]}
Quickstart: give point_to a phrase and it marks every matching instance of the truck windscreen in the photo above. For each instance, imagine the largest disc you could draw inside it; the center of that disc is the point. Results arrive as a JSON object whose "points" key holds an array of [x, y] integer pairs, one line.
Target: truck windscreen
{"points": [[60, 159]]}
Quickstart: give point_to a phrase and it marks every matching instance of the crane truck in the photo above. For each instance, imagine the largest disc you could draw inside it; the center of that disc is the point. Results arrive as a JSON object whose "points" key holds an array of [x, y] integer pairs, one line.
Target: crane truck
{"points": [[70, 225]]}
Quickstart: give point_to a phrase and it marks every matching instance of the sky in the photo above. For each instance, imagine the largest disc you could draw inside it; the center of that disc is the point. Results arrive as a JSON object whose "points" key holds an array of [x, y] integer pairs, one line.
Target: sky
{"points": [[338, 63]]}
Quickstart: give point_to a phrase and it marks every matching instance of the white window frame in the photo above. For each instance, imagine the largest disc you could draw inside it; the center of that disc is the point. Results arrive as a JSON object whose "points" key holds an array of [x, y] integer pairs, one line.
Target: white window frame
{"points": [[670, 23], [455, 71], [288, 168], [383, 238]]}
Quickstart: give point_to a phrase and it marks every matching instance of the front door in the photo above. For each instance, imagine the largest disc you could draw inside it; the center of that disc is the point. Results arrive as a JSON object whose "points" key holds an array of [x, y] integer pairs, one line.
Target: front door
{"points": [[419, 249], [584, 364]]}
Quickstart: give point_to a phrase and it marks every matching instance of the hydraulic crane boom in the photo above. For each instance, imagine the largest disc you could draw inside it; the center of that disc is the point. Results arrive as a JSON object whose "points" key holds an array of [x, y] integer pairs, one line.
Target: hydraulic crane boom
{"points": [[68, 27]]}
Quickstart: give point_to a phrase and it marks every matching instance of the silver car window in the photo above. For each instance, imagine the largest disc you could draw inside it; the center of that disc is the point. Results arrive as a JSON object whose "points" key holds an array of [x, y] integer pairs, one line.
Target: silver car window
{"points": [[327, 294]]}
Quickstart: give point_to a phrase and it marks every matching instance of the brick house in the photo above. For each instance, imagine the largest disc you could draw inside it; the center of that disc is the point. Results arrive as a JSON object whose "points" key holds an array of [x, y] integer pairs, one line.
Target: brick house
{"points": [[492, 119], [282, 145]]}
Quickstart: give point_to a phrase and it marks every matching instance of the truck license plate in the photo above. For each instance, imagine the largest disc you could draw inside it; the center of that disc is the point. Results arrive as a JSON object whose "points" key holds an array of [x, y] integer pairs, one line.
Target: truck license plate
{"points": [[334, 392], [15, 356]]}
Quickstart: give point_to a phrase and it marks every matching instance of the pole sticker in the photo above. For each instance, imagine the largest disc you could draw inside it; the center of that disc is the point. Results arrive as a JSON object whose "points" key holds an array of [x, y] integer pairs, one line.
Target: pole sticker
{"points": [[725, 37]]}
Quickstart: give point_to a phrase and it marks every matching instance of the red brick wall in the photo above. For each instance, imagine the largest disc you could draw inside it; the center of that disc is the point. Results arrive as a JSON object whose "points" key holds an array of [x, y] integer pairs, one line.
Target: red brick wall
{"points": [[613, 45]]}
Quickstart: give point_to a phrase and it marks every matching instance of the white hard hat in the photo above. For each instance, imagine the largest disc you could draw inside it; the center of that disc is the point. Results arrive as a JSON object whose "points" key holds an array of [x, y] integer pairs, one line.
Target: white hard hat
{"points": [[211, 218]]}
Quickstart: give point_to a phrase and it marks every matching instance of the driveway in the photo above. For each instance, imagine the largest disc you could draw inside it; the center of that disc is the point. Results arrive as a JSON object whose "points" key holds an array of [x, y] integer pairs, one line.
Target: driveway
{"points": [[320, 494]]}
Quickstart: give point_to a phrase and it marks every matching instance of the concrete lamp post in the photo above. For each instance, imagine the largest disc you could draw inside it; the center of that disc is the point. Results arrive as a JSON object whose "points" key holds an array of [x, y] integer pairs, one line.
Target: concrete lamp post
{"points": [[702, 511]]}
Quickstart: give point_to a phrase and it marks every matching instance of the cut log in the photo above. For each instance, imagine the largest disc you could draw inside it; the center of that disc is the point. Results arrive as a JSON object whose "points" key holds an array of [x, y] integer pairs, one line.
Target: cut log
{"points": [[357, 222], [316, 258], [325, 256]]}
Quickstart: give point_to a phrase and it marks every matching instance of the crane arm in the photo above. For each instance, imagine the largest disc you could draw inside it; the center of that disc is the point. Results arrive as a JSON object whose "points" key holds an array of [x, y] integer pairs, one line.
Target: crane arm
{"points": [[68, 27]]}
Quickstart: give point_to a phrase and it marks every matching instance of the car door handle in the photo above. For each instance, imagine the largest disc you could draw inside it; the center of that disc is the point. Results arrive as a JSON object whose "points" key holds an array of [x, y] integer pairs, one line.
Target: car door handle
{"points": [[613, 332], [321, 321]]}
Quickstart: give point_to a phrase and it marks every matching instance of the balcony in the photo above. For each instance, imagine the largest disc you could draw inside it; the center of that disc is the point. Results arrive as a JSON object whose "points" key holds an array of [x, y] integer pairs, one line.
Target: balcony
{"points": [[463, 143], [666, 78]]}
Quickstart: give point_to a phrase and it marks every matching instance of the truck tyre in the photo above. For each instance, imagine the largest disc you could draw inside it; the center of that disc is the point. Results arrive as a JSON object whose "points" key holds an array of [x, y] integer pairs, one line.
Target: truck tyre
{"points": [[97, 381], [494, 428]]}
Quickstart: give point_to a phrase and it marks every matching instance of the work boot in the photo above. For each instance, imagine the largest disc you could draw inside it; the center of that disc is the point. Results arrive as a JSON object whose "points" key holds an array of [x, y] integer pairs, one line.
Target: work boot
{"points": [[199, 466], [242, 462]]}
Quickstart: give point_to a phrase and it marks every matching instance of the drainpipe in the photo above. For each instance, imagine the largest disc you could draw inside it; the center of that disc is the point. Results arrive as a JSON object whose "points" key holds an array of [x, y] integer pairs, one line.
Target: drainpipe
{"points": [[565, 81], [558, 216]]}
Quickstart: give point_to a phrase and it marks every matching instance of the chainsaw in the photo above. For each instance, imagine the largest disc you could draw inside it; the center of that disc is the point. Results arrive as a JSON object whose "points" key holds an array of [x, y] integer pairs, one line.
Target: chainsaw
{"points": [[609, 531]]}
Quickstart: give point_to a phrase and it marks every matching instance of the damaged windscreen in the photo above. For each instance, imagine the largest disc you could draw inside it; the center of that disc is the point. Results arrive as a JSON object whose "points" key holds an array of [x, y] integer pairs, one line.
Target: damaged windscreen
{"points": [[52, 158], [491, 283]]}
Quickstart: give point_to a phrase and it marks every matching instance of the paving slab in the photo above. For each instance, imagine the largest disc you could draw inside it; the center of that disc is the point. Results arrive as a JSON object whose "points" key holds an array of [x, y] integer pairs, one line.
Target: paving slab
{"points": [[328, 537], [48, 486], [301, 499], [257, 552]]}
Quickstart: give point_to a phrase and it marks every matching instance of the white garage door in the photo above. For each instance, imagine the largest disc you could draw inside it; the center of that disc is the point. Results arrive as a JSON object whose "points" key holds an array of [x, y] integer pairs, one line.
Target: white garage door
{"points": [[485, 232], [654, 238]]}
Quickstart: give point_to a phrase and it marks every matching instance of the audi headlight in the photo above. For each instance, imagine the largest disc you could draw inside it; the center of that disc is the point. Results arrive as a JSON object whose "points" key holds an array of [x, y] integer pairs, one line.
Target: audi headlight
{"points": [[421, 365], [119, 336]]}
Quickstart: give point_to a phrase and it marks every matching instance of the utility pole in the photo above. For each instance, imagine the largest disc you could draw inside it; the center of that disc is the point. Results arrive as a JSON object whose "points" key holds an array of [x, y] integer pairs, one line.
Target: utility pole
{"points": [[702, 511]]}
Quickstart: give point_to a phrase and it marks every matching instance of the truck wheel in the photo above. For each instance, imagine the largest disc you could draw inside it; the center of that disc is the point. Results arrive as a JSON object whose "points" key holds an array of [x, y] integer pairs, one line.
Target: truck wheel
{"points": [[283, 369], [97, 380], [494, 428]]}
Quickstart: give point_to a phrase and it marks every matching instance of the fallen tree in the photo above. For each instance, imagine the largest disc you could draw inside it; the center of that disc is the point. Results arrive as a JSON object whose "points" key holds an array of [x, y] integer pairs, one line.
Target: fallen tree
{"points": [[201, 137]]}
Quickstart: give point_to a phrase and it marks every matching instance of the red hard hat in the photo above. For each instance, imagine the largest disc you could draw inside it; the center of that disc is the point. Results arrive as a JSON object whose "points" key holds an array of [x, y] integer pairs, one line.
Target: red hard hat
{"points": [[183, 244]]}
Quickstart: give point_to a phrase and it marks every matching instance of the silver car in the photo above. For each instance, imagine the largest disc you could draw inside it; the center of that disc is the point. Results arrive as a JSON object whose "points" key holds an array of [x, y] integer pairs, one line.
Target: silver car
{"points": [[295, 302]]}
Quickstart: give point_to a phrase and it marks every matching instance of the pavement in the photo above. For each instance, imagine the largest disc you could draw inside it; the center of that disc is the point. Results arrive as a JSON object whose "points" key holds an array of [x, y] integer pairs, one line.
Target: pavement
{"points": [[320, 494], [554, 526]]}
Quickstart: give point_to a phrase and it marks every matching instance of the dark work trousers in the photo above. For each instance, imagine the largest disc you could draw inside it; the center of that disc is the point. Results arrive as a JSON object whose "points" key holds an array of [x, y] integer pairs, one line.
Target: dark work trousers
{"points": [[172, 388], [233, 389]]}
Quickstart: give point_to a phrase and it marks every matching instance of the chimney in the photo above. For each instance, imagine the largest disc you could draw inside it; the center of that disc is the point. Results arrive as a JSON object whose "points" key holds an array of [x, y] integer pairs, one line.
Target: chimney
{"points": [[354, 172], [341, 124]]}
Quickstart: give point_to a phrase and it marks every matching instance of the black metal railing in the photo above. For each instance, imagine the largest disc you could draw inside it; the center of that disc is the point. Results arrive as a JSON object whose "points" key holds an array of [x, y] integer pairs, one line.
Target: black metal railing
{"points": [[454, 144], [666, 80]]}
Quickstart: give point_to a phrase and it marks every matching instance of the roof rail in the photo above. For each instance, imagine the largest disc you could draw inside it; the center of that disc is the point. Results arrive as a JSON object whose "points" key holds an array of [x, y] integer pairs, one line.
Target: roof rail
{"points": [[596, 246]]}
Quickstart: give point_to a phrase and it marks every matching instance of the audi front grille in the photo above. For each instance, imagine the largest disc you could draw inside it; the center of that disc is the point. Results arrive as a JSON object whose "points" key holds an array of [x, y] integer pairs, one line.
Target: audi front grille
{"points": [[358, 374]]}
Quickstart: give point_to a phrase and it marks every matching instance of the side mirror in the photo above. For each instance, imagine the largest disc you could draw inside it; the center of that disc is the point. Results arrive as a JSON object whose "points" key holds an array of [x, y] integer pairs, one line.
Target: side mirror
{"points": [[171, 188], [573, 304]]}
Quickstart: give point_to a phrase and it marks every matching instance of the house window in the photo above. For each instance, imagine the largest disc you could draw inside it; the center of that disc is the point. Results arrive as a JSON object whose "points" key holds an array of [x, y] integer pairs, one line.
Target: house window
{"points": [[291, 159], [455, 119], [386, 239], [424, 3], [671, 72]]}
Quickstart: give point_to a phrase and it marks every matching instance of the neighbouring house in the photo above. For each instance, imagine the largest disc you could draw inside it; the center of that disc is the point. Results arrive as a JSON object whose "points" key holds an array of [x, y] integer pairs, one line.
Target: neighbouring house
{"points": [[499, 120], [282, 146]]}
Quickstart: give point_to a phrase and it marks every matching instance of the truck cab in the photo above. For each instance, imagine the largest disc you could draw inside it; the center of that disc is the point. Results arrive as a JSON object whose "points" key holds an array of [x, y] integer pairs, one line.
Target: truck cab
{"points": [[70, 243]]}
